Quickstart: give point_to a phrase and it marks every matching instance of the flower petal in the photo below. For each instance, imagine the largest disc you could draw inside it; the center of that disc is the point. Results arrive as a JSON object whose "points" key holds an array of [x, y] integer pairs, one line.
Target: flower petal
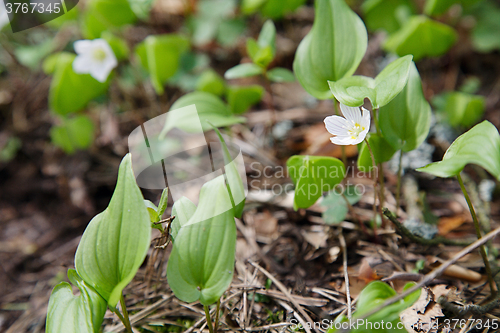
{"points": [[82, 64], [342, 140], [365, 122], [351, 113], [336, 125], [82, 46]]}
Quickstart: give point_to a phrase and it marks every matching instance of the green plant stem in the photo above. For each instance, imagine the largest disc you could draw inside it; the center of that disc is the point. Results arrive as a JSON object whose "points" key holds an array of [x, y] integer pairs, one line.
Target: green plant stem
{"points": [[209, 319], [217, 310], [478, 233], [398, 186], [374, 189], [125, 319], [375, 120]]}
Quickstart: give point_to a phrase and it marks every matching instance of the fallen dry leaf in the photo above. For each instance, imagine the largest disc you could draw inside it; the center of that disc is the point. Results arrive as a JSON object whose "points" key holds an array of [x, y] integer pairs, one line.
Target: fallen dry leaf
{"points": [[423, 314]]}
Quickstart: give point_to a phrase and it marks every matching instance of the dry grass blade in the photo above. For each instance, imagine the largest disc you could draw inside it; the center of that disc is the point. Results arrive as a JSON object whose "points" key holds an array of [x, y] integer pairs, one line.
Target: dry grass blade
{"points": [[433, 274], [283, 289]]}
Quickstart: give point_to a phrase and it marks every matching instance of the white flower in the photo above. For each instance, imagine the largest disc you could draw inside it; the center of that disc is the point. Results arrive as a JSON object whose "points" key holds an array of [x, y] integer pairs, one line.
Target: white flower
{"points": [[94, 57], [350, 130]]}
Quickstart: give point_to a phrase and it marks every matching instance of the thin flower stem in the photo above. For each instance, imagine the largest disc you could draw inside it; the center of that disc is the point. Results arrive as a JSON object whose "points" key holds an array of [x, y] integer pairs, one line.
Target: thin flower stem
{"points": [[375, 120], [398, 186], [374, 188], [125, 319], [209, 319], [217, 310], [478, 233]]}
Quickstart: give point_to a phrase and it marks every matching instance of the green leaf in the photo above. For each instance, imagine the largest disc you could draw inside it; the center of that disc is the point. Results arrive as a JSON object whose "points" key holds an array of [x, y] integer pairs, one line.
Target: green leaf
{"points": [[183, 209], [101, 15], [280, 74], [211, 82], [405, 121], [243, 70], [201, 264], [32, 55], [117, 44], [233, 178], [210, 109], [267, 37], [438, 7], [480, 145], [160, 55], [421, 37], [116, 241], [336, 205], [276, 9], [153, 212], [141, 8], [332, 49], [162, 205], [312, 176], [486, 33], [241, 98], [388, 15], [251, 6], [68, 313], [70, 92], [373, 295], [352, 91], [230, 31], [74, 133], [461, 109], [382, 152]]}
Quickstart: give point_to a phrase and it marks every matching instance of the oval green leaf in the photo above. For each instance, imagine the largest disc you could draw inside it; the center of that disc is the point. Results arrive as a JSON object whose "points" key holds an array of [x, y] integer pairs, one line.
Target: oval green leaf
{"points": [[332, 49], [68, 313], [201, 264], [438, 39], [160, 55], [405, 121], [116, 241], [210, 108], [280, 74], [243, 70], [480, 145], [389, 82], [382, 152], [312, 176], [74, 133], [70, 92], [241, 98]]}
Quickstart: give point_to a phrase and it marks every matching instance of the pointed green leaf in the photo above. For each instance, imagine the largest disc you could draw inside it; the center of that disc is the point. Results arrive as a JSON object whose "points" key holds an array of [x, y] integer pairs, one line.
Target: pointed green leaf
{"points": [[153, 212], [438, 7], [233, 178], [382, 152], [243, 70], [267, 36], [480, 145], [70, 92], [312, 176], [201, 264], [421, 37], [160, 55], [116, 241], [210, 108], [183, 209], [332, 49], [68, 313], [241, 98], [280, 74], [389, 82], [162, 205], [406, 120]]}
